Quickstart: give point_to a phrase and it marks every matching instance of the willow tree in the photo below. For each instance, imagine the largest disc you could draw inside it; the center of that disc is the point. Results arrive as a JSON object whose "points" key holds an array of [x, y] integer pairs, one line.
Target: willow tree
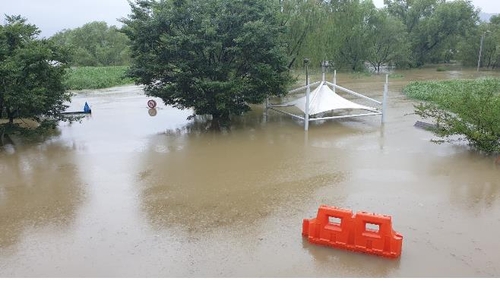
{"points": [[306, 37], [434, 26], [214, 56], [389, 43], [349, 32]]}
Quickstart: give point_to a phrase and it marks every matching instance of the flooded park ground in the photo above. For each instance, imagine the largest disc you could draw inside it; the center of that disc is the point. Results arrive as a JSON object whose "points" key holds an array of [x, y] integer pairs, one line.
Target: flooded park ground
{"points": [[126, 194]]}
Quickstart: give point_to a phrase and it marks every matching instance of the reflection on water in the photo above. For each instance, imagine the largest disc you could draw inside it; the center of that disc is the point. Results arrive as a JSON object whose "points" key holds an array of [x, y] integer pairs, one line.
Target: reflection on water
{"points": [[39, 187], [127, 193], [351, 264], [211, 180], [477, 191]]}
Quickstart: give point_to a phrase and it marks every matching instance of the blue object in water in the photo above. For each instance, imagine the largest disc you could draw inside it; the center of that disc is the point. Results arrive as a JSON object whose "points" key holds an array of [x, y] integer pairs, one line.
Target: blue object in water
{"points": [[86, 108]]}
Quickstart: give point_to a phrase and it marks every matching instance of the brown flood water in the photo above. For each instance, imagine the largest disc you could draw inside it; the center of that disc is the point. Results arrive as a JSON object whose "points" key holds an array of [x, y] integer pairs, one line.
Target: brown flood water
{"points": [[124, 194]]}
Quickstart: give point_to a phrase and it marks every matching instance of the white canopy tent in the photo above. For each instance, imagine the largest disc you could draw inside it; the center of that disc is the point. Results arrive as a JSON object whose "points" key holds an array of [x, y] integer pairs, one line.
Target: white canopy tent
{"points": [[324, 99]]}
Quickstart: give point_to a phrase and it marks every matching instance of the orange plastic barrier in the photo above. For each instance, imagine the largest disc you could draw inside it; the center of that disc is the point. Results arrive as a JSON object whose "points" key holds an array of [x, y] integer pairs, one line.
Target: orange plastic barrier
{"points": [[364, 232]]}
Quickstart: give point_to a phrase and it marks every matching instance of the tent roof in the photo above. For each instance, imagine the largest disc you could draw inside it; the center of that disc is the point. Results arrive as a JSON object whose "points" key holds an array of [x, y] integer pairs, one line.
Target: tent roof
{"points": [[323, 99]]}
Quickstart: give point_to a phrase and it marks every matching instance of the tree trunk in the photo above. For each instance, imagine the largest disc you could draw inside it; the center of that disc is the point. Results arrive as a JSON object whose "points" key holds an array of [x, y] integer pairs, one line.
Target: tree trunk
{"points": [[10, 115], [220, 120]]}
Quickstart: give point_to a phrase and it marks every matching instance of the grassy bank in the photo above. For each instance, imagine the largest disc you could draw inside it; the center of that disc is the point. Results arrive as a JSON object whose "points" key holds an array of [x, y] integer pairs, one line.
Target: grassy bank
{"points": [[80, 78]]}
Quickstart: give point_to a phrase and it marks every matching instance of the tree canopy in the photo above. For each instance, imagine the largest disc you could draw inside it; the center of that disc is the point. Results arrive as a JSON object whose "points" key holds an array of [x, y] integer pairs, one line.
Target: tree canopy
{"points": [[404, 33], [31, 75], [215, 56], [95, 44], [434, 26]]}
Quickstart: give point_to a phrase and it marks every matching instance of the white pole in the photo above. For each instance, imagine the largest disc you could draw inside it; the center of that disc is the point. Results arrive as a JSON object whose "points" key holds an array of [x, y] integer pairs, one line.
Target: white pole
{"points": [[306, 125], [334, 80], [266, 111], [384, 100], [308, 91], [480, 51]]}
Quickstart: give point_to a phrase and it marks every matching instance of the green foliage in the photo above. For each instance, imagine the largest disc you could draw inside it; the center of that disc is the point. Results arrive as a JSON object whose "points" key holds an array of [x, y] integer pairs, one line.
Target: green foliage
{"points": [[489, 34], [95, 44], [31, 75], [304, 21], [465, 108], [79, 78], [406, 33], [352, 33], [434, 26], [215, 56], [389, 41]]}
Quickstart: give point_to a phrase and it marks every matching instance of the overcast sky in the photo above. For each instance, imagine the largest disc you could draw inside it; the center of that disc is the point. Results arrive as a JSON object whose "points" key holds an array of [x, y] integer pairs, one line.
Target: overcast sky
{"points": [[52, 16]]}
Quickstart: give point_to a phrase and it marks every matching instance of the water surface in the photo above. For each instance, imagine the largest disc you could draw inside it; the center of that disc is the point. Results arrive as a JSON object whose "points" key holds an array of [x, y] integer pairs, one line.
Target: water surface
{"points": [[125, 194]]}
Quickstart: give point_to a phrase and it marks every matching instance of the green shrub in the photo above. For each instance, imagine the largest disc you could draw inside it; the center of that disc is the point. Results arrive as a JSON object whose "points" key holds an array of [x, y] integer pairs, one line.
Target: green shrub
{"points": [[469, 109], [79, 78]]}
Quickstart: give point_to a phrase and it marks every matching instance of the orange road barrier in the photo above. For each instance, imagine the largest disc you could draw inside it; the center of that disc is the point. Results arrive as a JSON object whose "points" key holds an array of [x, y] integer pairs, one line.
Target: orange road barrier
{"points": [[364, 232]]}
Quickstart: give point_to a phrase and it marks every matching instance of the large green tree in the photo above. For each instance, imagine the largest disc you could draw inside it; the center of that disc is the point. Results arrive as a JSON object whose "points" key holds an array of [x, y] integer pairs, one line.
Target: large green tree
{"points": [[389, 41], [31, 76], [95, 44], [434, 26], [306, 22], [215, 56], [349, 32]]}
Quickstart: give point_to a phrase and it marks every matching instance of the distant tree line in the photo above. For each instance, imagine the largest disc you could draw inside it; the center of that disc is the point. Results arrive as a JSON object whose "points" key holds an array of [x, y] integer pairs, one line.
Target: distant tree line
{"points": [[95, 44], [351, 34], [404, 33]]}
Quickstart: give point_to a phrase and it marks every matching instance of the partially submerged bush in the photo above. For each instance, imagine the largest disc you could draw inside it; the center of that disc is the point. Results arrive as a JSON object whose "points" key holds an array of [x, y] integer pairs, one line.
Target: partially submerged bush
{"points": [[469, 109]]}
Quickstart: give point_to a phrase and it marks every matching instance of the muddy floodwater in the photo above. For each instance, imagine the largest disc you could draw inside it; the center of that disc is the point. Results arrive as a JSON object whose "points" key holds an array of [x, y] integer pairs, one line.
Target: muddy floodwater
{"points": [[127, 194]]}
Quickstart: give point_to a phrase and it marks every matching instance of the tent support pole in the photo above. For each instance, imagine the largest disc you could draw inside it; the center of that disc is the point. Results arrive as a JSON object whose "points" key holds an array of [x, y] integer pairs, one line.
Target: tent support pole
{"points": [[334, 80], [308, 91]]}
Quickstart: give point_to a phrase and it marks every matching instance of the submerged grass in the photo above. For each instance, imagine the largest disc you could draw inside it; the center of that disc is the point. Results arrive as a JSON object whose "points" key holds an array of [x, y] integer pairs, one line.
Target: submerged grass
{"points": [[88, 77], [438, 90]]}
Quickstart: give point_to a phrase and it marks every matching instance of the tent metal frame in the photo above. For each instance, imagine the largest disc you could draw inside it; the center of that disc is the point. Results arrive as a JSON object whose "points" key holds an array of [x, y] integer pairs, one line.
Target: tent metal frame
{"points": [[308, 118]]}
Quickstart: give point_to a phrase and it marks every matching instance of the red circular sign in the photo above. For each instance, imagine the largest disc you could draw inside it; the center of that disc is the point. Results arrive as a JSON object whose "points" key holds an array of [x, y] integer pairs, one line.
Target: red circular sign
{"points": [[151, 103]]}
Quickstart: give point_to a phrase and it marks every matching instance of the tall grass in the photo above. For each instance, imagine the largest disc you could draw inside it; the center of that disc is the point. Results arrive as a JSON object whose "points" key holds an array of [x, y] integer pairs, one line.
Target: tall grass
{"points": [[79, 78]]}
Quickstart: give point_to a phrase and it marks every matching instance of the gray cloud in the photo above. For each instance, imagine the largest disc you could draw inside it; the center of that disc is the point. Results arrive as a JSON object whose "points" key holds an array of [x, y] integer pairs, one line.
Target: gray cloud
{"points": [[51, 16]]}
